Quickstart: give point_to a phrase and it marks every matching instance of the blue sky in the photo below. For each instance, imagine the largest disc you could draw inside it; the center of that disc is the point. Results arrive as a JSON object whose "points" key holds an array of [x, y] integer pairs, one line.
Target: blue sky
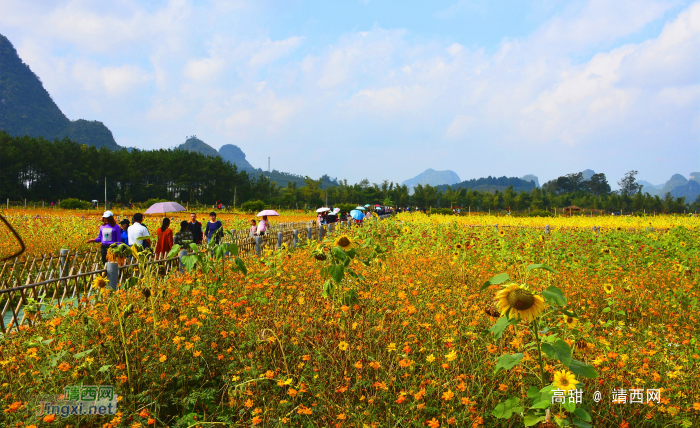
{"points": [[383, 89]]}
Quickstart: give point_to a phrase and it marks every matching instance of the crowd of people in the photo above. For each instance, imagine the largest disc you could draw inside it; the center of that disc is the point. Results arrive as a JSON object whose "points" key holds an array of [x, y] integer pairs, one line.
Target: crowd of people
{"points": [[135, 232]]}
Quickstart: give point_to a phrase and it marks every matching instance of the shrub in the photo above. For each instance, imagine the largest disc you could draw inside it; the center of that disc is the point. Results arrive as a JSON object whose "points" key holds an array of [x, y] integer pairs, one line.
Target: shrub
{"points": [[445, 211], [152, 201], [75, 204], [540, 213], [345, 207], [253, 206]]}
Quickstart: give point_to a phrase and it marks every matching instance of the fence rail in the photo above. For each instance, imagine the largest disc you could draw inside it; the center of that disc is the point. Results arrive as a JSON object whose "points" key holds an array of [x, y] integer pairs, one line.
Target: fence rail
{"points": [[68, 278]]}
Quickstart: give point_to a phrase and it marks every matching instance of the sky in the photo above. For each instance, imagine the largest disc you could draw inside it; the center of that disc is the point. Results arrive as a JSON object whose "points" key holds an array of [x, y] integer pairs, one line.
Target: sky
{"points": [[383, 89]]}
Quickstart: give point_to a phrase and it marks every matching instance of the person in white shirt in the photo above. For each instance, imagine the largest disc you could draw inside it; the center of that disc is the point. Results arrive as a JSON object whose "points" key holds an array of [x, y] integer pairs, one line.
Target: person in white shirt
{"points": [[136, 230]]}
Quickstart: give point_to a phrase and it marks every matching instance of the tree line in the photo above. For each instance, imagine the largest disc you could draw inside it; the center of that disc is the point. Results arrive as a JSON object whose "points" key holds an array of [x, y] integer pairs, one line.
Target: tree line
{"points": [[37, 169]]}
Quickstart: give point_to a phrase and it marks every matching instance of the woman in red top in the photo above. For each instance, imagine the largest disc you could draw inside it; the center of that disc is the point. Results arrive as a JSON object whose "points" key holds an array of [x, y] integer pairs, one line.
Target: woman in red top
{"points": [[165, 239]]}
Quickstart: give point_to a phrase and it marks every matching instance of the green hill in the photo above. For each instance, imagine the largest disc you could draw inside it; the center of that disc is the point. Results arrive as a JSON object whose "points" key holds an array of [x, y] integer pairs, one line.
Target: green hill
{"points": [[26, 108], [194, 144], [235, 155]]}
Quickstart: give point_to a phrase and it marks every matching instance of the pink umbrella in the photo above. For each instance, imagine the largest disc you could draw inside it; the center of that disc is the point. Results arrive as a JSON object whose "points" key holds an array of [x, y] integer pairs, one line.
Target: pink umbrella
{"points": [[164, 207], [267, 212]]}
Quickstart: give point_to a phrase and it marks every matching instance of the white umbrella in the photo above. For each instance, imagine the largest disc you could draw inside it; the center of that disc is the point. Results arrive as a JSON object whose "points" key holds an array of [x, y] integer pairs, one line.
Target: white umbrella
{"points": [[322, 210], [164, 207]]}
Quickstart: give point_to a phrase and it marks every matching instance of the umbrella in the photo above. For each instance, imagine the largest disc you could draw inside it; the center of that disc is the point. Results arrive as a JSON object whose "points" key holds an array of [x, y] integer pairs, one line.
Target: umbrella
{"points": [[357, 214], [359, 208], [164, 207], [322, 210], [367, 205], [267, 212], [336, 210]]}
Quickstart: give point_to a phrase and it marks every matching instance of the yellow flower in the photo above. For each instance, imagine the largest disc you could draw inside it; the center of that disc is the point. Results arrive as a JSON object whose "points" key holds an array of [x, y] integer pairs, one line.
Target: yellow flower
{"points": [[520, 301], [565, 380], [100, 282], [391, 347], [197, 353], [570, 321], [451, 356], [343, 346], [344, 242], [430, 358], [458, 246], [608, 288], [162, 358], [502, 233], [682, 244], [605, 250]]}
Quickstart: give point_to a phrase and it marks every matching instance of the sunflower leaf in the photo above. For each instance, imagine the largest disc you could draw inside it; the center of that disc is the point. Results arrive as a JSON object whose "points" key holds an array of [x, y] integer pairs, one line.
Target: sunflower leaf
{"points": [[540, 266], [582, 414], [582, 369], [554, 296], [507, 362], [559, 350], [500, 326], [498, 279], [532, 417], [506, 409]]}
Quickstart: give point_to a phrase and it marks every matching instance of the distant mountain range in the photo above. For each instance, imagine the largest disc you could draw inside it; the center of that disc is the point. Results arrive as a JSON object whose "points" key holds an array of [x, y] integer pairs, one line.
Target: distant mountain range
{"points": [[490, 184], [26, 108], [677, 185], [433, 178]]}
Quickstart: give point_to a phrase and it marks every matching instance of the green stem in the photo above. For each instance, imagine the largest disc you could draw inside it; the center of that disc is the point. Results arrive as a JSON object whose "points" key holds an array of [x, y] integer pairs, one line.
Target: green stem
{"points": [[536, 327]]}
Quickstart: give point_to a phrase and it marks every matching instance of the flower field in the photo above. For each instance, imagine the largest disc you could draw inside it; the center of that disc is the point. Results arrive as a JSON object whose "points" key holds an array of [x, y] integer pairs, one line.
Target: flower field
{"points": [[412, 321], [55, 229]]}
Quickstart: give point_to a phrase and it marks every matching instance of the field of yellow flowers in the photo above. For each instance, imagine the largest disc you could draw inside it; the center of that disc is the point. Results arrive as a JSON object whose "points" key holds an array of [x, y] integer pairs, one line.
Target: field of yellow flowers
{"points": [[412, 321], [48, 230]]}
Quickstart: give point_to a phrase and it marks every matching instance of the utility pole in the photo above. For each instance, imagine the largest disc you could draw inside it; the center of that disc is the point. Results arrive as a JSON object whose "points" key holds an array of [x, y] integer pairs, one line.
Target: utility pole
{"points": [[105, 192], [268, 164], [234, 198]]}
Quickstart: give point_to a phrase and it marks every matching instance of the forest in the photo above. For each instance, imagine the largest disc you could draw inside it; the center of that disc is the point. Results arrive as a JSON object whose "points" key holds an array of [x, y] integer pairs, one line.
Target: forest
{"points": [[36, 169]]}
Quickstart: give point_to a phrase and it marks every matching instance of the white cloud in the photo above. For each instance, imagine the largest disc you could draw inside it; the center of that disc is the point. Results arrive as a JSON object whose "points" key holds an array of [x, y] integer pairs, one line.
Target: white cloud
{"points": [[271, 51], [460, 126], [203, 69]]}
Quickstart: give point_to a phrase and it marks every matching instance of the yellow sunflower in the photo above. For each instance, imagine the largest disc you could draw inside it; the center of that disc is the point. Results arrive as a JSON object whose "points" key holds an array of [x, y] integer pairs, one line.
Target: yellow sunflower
{"points": [[521, 302], [565, 380], [614, 259], [682, 244], [502, 233], [458, 246], [570, 321], [100, 282], [608, 288], [605, 250], [344, 242], [406, 230]]}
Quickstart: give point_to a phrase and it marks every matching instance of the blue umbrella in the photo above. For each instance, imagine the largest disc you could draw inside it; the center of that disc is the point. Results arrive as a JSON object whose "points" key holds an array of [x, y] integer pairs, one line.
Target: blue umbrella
{"points": [[360, 208], [357, 215], [367, 206]]}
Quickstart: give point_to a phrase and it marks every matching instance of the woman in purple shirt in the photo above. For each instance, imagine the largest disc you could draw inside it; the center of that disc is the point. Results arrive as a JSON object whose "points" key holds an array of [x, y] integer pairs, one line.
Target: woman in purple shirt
{"points": [[110, 233]]}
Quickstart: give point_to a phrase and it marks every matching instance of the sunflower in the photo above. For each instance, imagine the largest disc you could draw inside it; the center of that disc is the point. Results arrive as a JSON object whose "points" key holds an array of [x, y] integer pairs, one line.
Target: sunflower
{"points": [[344, 242], [520, 301], [502, 233], [406, 230], [100, 282], [570, 321], [614, 259], [569, 254], [458, 246], [682, 244], [565, 380], [608, 288], [456, 254], [541, 238], [434, 232], [605, 250]]}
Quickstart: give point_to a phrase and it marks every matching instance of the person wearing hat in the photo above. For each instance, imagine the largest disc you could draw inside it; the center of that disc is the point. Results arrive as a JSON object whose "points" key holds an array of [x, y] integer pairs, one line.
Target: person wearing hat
{"points": [[110, 233], [125, 231]]}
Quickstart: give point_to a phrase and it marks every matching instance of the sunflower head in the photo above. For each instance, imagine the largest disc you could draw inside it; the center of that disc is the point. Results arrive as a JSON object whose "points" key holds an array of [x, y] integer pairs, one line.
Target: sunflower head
{"points": [[406, 230], [502, 233], [458, 246], [565, 380], [570, 321], [344, 242], [519, 302], [100, 282], [605, 251], [608, 288], [683, 244]]}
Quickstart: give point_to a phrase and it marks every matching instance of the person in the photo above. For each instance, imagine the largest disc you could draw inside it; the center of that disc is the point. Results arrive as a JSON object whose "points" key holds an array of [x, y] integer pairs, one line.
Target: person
{"points": [[124, 234], [196, 228], [109, 234], [183, 235], [165, 239], [137, 230], [214, 228], [263, 226], [253, 228]]}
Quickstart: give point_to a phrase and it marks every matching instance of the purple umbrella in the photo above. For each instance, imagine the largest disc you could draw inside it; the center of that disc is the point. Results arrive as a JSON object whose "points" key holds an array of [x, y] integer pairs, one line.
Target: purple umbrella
{"points": [[164, 207], [267, 212]]}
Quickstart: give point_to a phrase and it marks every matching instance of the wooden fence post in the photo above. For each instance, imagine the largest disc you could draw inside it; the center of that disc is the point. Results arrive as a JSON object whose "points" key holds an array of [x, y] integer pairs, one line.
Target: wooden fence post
{"points": [[279, 240], [258, 245], [296, 237], [112, 274]]}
